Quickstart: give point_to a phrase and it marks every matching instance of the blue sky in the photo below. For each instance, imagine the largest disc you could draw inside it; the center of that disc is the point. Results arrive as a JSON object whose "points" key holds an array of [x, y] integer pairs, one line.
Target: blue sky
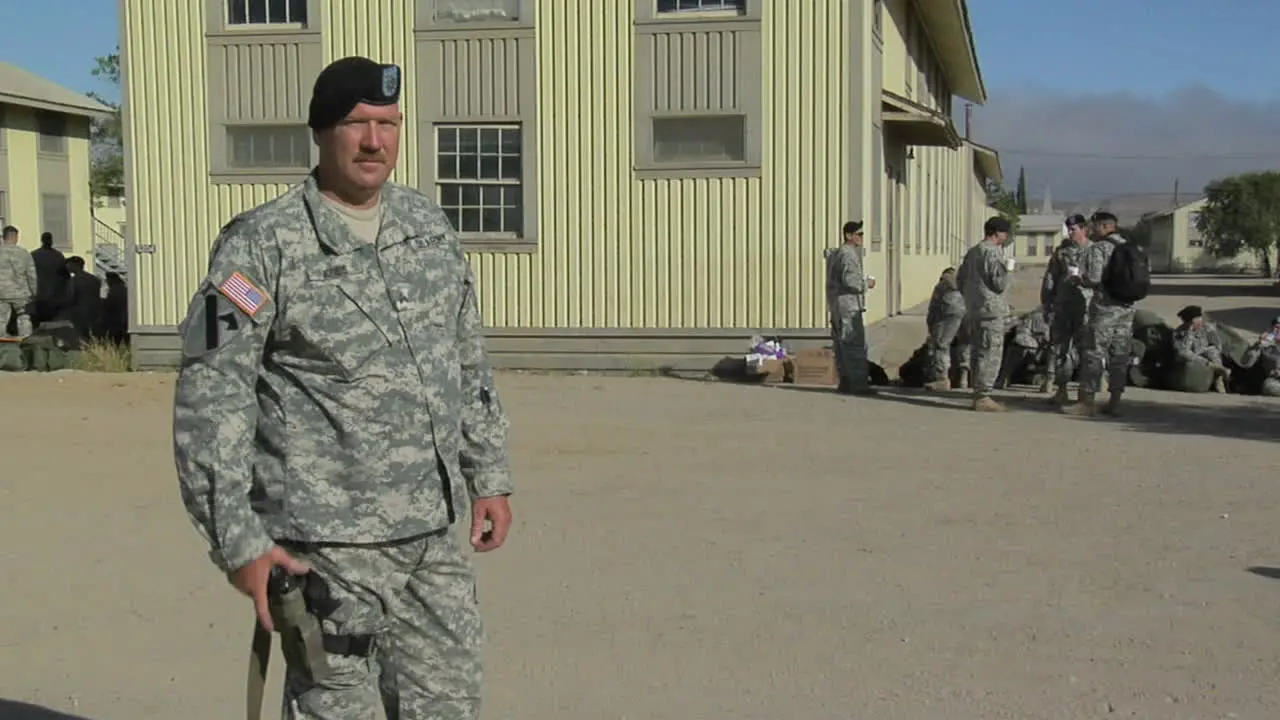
{"points": [[1146, 79]]}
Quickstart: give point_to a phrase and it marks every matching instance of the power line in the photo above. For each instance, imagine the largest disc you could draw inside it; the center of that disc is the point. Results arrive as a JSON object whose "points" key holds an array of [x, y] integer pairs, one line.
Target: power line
{"points": [[1186, 156]]}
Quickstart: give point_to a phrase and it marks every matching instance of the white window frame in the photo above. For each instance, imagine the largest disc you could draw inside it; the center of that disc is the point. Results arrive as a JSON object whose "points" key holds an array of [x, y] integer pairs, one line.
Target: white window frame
{"points": [[713, 8], [289, 22], [502, 182]]}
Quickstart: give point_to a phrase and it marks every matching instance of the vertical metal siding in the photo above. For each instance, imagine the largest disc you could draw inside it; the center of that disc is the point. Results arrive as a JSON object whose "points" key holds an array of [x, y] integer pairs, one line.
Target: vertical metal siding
{"points": [[695, 70], [263, 81], [462, 64], [613, 251]]}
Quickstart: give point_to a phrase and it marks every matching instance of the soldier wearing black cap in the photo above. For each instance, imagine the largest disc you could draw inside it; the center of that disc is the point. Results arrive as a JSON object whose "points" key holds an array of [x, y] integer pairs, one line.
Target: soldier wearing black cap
{"points": [[1108, 339], [1067, 303], [1197, 342], [334, 370], [847, 286], [983, 278]]}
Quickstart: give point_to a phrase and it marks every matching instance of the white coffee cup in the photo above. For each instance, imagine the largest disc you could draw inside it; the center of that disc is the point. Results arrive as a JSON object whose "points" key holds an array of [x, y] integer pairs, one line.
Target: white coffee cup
{"points": [[1073, 271], [1010, 264]]}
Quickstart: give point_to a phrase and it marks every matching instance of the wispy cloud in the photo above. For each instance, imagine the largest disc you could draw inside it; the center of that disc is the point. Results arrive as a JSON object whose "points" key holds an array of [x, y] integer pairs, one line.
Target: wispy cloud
{"points": [[1093, 146]]}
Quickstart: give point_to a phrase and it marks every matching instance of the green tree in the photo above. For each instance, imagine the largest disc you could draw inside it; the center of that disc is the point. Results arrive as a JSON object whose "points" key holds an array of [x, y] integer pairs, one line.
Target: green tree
{"points": [[1020, 194], [1005, 202], [1139, 232], [106, 174], [1242, 214]]}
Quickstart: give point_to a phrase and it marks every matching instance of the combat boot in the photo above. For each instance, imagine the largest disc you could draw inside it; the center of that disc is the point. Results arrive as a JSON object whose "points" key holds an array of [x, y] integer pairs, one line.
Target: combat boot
{"points": [[942, 385], [1046, 383], [986, 404], [1083, 407], [1060, 397], [1112, 408], [962, 379]]}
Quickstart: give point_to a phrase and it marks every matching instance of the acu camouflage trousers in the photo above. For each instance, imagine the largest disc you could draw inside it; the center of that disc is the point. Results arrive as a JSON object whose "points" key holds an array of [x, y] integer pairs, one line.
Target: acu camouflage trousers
{"points": [[1067, 336], [849, 339], [986, 353], [19, 311], [418, 598], [1108, 343], [947, 348]]}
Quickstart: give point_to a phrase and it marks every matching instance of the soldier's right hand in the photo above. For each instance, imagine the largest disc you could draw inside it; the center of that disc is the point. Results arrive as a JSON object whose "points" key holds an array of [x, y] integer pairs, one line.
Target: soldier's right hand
{"points": [[252, 579]]}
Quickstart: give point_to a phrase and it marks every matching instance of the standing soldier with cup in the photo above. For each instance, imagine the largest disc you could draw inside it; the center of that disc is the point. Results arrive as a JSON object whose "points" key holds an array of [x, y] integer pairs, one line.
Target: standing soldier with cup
{"points": [[984, 277], [1068, 301]]}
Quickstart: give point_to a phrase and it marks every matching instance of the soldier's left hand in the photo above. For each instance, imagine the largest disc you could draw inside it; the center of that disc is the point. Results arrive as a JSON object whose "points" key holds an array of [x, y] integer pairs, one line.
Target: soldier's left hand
{"points": [[495, 512]]}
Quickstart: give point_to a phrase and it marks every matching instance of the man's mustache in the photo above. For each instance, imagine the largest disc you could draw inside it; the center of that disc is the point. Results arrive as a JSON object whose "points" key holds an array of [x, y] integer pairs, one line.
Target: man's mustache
{"points": [[379, 158]]}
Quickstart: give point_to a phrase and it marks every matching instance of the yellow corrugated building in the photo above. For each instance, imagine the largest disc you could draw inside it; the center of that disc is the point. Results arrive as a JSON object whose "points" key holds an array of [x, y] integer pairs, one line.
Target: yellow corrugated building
{"points": [[44, 161], [638, 182]]}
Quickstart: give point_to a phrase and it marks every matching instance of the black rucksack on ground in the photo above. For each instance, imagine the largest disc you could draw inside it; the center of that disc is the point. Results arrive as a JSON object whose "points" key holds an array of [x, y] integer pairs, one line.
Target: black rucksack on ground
{"points": [[1127, 277]]}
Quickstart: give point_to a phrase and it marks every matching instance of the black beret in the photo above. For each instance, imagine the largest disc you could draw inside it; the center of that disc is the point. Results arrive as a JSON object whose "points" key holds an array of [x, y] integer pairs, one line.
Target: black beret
{"points": [[997, 224], [1190, 312], [1077, 220], [348, 82], [852, 227]]}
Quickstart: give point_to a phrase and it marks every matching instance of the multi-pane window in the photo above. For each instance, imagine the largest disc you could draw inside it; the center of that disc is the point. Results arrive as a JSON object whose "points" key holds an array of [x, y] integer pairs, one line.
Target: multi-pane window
{"points": [[53, 133], [676, 6], [477, 10], [703, 138], [4, 208], [1031, 247], [1048, 246], [55, 218], [268, 146], [266, 12], [478, 177]]}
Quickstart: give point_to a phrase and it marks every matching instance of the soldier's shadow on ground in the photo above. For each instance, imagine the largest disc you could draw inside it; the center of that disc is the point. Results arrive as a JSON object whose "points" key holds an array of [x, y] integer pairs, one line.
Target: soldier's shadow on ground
{"points": [[1258, 288], [1249, 319], [1256, 420], [1270, 573], [14, 710]]}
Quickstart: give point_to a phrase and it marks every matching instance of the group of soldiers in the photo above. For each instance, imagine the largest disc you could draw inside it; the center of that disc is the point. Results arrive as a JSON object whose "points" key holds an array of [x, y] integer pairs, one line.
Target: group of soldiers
{"points": [[44, 286], [1089, 290]]}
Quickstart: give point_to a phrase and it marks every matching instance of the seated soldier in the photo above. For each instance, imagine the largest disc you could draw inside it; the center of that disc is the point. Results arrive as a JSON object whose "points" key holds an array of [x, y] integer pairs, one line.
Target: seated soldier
{"points": [[1266, 353], [1028, 349], [947, 347], [1197, 342]]}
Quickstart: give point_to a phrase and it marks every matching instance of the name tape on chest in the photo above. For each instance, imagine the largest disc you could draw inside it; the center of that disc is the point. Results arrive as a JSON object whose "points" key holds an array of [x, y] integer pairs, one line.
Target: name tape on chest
{"points": [[243, 293]]}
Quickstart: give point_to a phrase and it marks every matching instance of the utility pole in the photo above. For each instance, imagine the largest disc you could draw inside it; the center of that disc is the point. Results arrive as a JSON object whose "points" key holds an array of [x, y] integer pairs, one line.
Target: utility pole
{"points": [[968, 121], [1175, 193]]}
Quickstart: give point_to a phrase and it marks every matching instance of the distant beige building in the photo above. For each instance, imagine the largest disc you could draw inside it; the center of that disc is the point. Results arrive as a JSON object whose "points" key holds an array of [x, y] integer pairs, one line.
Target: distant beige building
{"points": [[44, 160], [636, 183], [1038, 234], [1177, 247]]}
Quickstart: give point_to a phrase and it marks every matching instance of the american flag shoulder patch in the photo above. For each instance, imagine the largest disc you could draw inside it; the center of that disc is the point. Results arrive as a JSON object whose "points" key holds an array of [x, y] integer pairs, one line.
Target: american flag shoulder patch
{"points": [[243, 293]]}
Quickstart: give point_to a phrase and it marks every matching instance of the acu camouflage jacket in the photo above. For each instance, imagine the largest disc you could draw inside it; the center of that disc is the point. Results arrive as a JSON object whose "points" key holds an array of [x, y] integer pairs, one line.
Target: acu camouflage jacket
{"points": [[333, 390]]}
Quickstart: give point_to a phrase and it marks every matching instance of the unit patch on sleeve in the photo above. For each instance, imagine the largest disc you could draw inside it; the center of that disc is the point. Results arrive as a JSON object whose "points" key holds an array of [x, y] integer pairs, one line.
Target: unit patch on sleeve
{"points": [[243, 293]]}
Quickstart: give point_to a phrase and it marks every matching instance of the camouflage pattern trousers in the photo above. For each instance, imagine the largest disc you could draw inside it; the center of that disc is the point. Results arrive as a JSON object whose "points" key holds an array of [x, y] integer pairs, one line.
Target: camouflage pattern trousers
{"points": [[948, 347], [20, 310], [418, 597], [1108, 344], [849, 340], [1271, 387], [986, 353], [1067, 336]]}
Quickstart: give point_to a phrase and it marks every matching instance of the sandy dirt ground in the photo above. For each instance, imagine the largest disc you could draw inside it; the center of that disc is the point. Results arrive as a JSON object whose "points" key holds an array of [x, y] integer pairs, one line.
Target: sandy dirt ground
{"points": [[688, 549]]}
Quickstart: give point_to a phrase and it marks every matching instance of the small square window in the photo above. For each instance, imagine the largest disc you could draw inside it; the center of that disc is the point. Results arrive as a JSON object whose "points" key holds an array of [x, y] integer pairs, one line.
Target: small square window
{"points": [[464, 11], [684, 6], [478, 180], [252, 147]]}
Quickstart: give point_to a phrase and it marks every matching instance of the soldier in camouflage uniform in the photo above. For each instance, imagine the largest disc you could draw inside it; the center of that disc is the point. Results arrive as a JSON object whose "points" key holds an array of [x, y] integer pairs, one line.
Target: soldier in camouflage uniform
{"points": [[984, 277], [1029, 346], [17, 283], [1068, 304], [1197, 342], [1108, 342], [335, 410], [1266, 351], [847, 287], [945, 321]]}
